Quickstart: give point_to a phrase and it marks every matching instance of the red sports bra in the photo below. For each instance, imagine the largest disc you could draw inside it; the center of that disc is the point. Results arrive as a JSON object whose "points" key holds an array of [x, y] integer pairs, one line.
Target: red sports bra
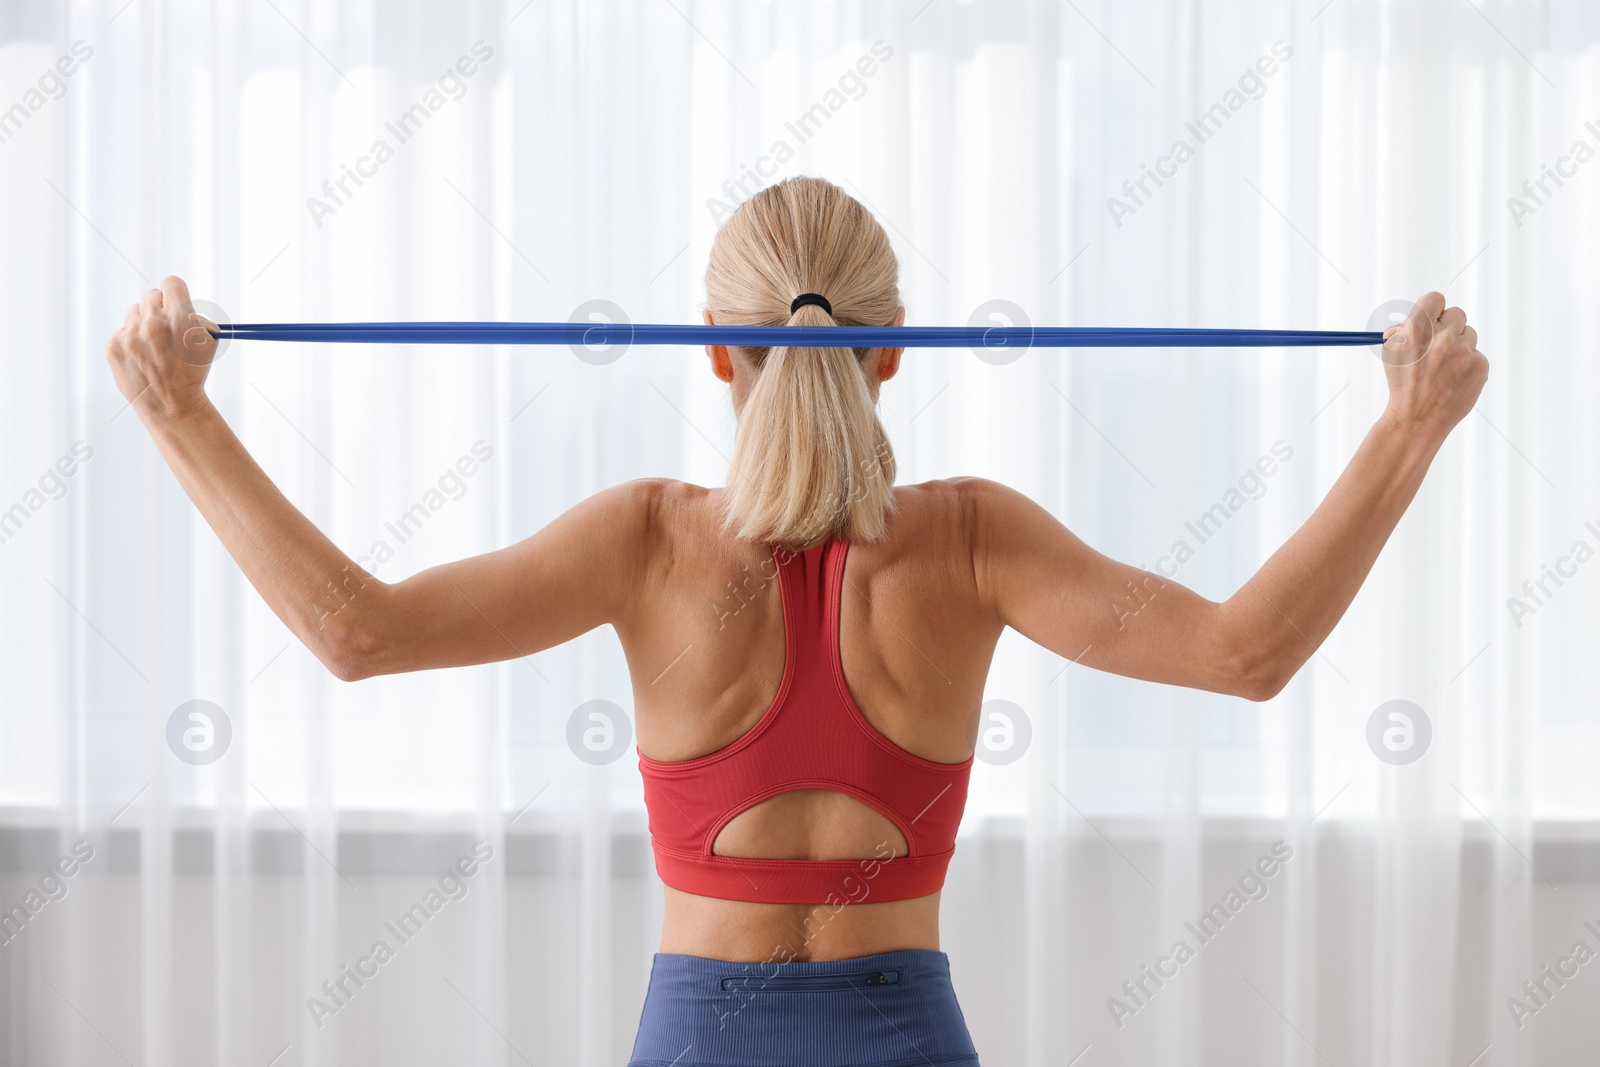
{"points": [[812, 737]]}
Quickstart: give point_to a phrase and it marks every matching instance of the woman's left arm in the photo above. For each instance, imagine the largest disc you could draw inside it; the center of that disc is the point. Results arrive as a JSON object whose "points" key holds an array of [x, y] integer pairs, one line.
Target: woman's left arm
{"points": [[573, 575]]}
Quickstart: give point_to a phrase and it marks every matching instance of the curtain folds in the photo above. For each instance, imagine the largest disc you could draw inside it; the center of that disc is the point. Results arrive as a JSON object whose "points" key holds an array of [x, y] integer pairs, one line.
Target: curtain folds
{"points": [[1353, 880]]}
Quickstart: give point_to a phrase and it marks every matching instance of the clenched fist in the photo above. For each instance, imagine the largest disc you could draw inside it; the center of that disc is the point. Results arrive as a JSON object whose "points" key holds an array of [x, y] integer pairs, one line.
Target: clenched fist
{"points": [[1434, 367], [162, 354]]}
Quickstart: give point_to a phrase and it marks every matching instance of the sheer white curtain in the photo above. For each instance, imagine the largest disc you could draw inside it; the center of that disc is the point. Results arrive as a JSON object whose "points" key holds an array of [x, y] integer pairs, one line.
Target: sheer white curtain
{"points": [[298, 160]]}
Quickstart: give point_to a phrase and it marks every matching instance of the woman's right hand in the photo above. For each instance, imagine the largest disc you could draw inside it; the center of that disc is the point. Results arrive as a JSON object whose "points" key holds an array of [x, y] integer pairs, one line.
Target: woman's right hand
{"points": [[1434, 368], [1051, 587]]}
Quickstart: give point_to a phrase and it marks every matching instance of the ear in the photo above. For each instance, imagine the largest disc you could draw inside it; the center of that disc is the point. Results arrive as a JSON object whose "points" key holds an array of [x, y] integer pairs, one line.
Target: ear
{"points": [[889, 358], [721, 364]]}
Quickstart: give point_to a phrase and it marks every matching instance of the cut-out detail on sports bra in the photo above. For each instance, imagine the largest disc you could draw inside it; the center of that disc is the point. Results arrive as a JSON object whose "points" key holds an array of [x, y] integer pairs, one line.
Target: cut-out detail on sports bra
{"points": [[812, 736], [836, 826]]}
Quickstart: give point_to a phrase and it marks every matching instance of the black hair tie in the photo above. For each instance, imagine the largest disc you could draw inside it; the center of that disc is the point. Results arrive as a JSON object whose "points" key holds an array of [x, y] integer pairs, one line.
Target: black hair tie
{"points": [[810, 298]]}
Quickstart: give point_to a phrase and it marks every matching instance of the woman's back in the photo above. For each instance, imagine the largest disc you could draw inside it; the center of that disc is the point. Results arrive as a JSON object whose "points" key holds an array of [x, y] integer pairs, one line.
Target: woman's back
{"points": [[900, 597], [705, 643]]}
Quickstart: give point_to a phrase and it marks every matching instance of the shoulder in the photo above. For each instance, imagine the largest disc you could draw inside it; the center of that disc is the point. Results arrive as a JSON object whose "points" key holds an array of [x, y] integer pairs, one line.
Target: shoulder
{"points": [[654, 513], [964, 519], [648, 509], [967, 503], [1000, 533], [650, 500], [672, 498], [627, 532], [666, 508]]}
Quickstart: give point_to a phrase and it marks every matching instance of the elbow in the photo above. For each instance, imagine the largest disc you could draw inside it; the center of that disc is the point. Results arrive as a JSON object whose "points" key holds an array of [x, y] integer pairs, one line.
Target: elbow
{"points": [[1261, 688], [1257, 674], [1257, 657], [346, 667], [355, 639], [351, 652]]}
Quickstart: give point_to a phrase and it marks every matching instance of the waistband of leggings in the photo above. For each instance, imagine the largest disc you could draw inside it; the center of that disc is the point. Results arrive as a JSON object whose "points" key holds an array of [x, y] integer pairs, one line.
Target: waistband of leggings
{"points": [[911, 962]]}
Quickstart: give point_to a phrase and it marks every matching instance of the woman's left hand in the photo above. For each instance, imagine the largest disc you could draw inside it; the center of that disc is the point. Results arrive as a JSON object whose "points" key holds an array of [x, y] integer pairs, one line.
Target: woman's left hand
{"points": [[162, 354]]}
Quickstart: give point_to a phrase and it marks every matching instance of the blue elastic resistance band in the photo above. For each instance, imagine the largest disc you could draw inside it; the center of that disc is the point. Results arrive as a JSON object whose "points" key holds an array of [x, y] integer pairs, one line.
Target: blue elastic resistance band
{"points": [[612, 333]]}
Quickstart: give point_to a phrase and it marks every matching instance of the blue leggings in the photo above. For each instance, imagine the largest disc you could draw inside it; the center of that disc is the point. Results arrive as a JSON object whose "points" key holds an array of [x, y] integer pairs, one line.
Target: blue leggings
{"points": [[888, 1010]]}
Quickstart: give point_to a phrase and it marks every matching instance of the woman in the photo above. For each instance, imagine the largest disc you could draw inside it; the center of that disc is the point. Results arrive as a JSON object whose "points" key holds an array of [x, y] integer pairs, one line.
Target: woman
{"points": [[805, 740]]}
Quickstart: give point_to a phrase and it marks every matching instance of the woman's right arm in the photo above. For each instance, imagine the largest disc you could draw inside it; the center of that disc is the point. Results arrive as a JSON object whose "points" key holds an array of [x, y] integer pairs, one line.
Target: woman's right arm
{"points": [[1051, 587]]}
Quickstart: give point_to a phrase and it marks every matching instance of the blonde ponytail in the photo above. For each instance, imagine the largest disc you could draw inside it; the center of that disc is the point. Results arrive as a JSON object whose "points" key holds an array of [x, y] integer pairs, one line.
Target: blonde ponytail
{"points": [[811, 459]]}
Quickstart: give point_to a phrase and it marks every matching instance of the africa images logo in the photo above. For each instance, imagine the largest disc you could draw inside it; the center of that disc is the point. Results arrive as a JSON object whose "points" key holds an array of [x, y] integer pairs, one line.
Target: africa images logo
{"points": [[198, 732], [1251, 86]]}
